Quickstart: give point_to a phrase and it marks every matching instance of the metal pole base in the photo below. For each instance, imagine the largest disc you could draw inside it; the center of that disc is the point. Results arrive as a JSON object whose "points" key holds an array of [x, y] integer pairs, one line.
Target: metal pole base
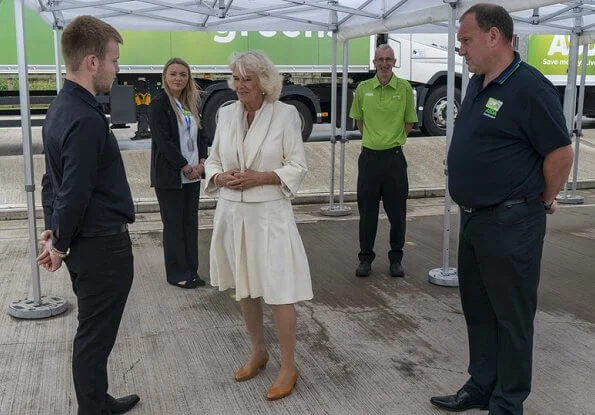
{"points": [[570, 199], [28, 309], [448, 278], [335, 211]]}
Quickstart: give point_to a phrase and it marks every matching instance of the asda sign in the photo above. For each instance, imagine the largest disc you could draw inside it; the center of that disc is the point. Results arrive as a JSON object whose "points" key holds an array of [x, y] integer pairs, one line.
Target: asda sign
{"points": [[549, 54]]}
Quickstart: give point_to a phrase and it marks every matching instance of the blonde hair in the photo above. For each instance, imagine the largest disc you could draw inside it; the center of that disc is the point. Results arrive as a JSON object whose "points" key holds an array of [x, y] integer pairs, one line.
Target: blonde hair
{"points": [[190, 96], [269, 78], [84, 36]]}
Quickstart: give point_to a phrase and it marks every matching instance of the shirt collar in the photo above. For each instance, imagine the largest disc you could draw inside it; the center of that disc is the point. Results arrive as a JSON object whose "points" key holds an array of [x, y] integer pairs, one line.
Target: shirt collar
{"points": [[503, 77], [80, 92], [392, 83]]}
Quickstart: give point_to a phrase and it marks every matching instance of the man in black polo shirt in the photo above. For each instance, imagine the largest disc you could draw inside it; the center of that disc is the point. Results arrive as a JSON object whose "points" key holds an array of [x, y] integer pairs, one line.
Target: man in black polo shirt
{"points": [[87, 207], [509, 157]]}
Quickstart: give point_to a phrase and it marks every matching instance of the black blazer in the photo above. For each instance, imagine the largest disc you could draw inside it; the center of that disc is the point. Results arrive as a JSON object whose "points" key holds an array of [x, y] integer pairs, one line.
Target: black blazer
{"points": [[166, 157]]}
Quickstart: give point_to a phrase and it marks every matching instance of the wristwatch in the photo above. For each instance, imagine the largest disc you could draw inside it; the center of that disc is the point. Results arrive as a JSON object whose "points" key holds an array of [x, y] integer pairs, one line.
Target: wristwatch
{"points": [[547, 206], [60, 254]]}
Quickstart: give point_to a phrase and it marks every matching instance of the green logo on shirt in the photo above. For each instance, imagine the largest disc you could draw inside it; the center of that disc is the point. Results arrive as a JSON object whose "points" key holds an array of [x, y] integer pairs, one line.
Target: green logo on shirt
{"points": [[492, 107]]}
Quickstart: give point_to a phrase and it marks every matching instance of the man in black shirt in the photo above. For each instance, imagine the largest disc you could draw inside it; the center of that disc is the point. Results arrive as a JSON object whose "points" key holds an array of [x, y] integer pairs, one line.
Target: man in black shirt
{"points": [[509, 157], [87, 208]]}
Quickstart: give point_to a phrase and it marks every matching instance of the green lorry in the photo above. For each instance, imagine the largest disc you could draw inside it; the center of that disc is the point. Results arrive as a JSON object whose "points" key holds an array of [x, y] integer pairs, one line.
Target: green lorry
{"points": [[303, 57], [549, 54]]}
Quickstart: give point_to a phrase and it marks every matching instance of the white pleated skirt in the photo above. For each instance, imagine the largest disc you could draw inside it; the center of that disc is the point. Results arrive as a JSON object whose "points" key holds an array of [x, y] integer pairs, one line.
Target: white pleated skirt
{"points": [[256, 248]]}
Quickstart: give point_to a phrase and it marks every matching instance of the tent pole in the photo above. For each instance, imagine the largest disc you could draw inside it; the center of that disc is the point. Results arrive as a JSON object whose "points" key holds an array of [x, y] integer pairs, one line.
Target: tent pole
{"points": [[333, 119], [565, 197], [345, 210], [26, 131], [448, 276], [331, 209], [579, 126], [38, 306], [57, 53]]}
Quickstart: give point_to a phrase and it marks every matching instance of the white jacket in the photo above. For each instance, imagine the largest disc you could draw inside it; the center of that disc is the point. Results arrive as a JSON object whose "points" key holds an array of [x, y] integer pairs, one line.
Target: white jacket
{"points": [[273, 143]]}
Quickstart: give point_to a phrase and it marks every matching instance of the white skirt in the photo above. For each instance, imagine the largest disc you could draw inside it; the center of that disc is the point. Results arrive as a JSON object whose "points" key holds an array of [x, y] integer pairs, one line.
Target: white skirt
{"points": [[256, 248]]}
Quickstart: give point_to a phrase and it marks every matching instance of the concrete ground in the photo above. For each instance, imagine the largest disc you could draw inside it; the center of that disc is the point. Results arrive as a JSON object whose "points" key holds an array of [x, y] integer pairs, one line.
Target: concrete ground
{"points": [[376, 345], [365, 346]]}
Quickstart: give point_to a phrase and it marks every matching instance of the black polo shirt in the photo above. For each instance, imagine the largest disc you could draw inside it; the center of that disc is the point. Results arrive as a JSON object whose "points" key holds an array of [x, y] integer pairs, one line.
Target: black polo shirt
{"points": [[502, 134], [85, 189]]}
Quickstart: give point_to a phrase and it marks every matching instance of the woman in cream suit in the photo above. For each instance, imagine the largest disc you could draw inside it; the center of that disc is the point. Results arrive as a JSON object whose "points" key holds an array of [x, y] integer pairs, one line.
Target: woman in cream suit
{"points": [[257, 164]]}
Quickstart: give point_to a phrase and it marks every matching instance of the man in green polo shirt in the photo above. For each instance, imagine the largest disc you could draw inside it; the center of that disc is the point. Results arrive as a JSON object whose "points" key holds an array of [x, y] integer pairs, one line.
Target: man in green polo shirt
{"points": [[384, 109]]}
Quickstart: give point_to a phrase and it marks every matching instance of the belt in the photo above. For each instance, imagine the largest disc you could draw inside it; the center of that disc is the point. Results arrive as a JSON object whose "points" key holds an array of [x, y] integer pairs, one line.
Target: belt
{"points": [[106, 232], [507, 203], [387, 151]]}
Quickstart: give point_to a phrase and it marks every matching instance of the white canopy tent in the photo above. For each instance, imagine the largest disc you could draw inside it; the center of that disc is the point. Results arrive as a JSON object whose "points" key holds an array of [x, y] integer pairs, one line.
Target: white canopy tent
{"points": [[355, 18], [345, 18]]}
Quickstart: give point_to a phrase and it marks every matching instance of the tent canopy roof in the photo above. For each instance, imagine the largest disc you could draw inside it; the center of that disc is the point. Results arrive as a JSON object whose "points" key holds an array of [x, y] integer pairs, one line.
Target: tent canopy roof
{"points": [[350, 18]]}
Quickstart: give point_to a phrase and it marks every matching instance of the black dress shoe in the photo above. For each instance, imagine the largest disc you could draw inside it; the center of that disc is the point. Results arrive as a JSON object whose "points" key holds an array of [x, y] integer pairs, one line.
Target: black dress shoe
{"points": [[188, 284], [363, 269], [396, 270], [121, 405], [462, 401], [199, 282]]}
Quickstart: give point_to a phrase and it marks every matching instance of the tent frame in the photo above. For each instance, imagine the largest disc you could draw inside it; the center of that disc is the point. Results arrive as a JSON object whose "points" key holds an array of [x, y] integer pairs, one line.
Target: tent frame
{"points": [[222, 14]]}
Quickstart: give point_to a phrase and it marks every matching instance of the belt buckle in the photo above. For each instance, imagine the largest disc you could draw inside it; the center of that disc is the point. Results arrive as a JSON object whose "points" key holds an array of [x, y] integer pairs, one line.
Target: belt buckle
{"points": [[467, 209]]}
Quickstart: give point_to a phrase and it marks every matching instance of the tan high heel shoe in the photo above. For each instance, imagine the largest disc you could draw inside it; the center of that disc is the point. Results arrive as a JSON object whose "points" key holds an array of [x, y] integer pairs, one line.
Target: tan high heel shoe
{"points": [[278, 392], [245, 373]]}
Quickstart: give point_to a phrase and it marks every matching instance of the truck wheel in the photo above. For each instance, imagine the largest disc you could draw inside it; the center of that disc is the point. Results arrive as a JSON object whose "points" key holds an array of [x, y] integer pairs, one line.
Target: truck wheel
{"points": [[210, 111], [434, 114], [305, 117]]}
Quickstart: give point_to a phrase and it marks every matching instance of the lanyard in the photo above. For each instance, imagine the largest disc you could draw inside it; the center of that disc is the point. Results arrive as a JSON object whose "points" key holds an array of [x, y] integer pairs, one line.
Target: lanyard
{"points": [[188, 119]]}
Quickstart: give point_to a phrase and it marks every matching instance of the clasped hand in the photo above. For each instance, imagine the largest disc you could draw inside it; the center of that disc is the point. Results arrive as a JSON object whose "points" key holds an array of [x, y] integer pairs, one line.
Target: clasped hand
{"points": [[47, 259], [196, 171], [238, 180]]}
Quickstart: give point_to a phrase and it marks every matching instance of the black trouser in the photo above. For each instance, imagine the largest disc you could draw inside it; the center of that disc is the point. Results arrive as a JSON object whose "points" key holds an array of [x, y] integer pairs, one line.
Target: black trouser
{"points": [[179, 214], [499, 263], [382, 175], [101, 269]]}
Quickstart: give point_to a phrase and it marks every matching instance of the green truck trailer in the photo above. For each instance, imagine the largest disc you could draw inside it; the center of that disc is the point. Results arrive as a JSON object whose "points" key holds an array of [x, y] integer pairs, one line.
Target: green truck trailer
{"points": [[304, 58], [549, 54]]}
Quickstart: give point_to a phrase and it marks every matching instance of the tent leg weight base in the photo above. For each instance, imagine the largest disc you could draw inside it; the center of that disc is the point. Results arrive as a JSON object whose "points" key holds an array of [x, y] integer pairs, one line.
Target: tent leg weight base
{"points": [[30, 309]]}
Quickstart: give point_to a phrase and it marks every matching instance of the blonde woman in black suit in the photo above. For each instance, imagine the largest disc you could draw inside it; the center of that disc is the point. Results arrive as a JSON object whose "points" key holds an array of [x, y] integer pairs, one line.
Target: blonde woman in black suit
{"points": [[177, 163]]}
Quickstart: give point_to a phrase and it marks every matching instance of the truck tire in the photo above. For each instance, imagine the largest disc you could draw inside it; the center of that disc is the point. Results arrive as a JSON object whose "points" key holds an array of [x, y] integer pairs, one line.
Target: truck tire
{"points": [[434, 114], [211, 109], [305, 117]]}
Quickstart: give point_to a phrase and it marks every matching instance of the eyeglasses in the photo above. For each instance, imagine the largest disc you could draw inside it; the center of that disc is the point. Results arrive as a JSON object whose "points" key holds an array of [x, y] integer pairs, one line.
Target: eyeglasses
{"points": [[382, 60]]}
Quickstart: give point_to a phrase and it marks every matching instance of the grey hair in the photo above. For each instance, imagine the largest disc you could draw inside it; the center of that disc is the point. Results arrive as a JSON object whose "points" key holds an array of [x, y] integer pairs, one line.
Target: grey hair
{"points": [[382, 47], [269, 78]]}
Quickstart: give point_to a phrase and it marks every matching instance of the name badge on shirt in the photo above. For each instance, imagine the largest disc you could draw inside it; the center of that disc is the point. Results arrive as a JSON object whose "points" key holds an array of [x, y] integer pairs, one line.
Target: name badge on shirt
{"points": [[492, 107], [369, 94]]}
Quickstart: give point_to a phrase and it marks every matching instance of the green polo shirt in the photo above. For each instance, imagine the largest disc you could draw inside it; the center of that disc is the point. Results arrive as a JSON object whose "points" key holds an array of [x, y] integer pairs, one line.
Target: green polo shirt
{"points": [[384, 111]]}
